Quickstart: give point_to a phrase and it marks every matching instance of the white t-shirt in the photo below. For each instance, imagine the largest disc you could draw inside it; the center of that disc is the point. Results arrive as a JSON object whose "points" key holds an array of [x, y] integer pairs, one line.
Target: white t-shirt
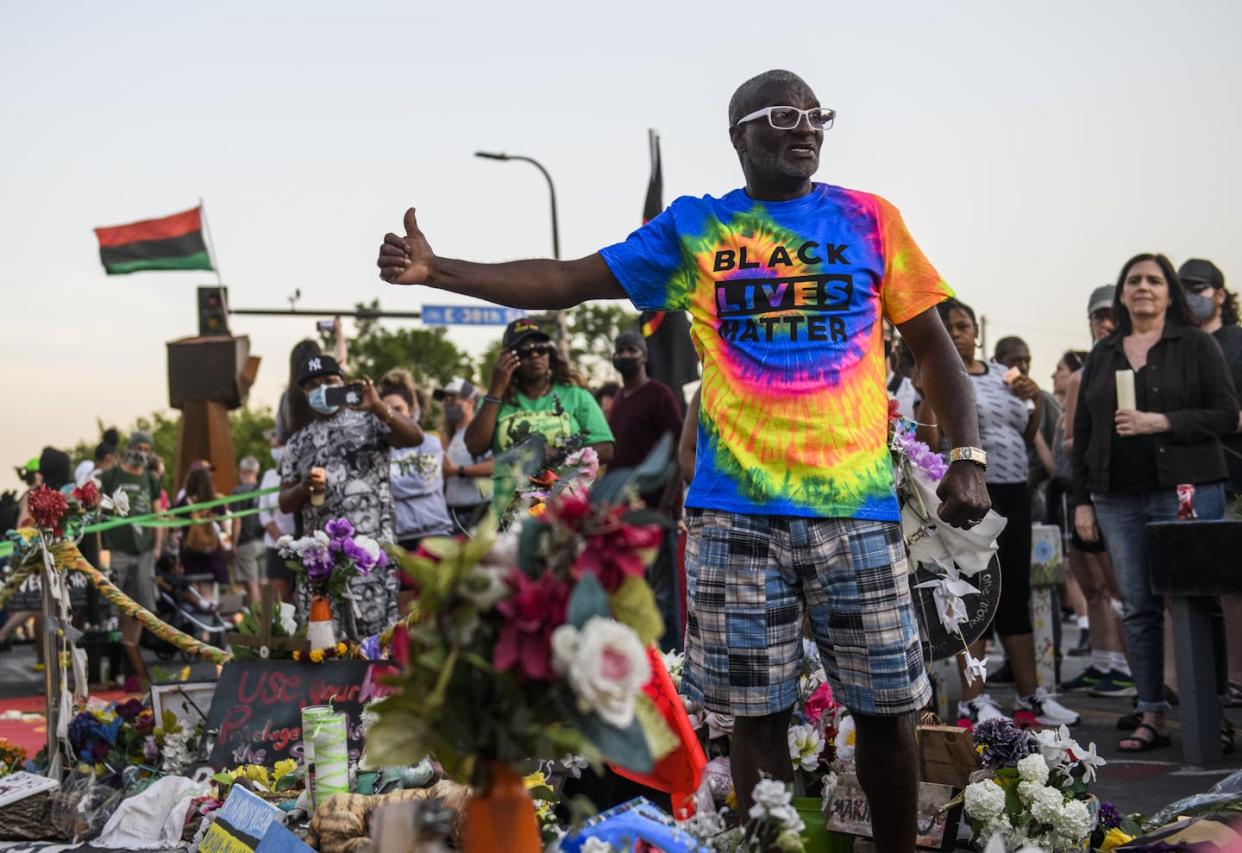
{"points": [[465, 491], [269, 509]]}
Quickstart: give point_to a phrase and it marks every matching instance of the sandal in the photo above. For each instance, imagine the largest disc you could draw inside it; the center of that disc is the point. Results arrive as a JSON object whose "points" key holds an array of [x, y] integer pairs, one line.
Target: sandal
{"points": [[1226, 737], [1156, 741]]}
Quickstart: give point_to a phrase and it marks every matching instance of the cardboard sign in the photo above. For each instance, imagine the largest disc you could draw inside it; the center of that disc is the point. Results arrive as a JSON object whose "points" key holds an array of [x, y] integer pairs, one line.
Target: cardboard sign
{"points": [[849, 812], [257, 707]]}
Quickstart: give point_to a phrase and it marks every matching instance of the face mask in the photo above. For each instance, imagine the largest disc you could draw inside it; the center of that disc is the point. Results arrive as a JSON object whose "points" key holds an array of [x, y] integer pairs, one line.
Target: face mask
{"points": [[136, 458], [277, 452], [318, 403], [627, 367], [454, 414], [1202, 306]]}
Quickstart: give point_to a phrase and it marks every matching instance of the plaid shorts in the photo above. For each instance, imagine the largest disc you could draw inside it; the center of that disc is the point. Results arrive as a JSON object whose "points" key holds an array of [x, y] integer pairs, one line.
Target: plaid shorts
{"points": [[750, 578]]}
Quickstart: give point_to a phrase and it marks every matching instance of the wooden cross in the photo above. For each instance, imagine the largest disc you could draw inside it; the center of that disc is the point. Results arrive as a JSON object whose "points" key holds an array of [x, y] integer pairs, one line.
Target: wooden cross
{"points": [[264, 641]]}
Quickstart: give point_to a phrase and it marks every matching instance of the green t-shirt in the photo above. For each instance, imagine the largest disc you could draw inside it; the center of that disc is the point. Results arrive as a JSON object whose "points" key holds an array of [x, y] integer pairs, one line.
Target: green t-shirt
{"points": [[142, 490], [557, 415]]}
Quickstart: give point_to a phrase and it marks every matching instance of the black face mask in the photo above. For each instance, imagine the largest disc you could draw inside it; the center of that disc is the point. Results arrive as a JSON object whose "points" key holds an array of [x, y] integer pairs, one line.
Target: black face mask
{"points": [[453, 413], [627, 367]]}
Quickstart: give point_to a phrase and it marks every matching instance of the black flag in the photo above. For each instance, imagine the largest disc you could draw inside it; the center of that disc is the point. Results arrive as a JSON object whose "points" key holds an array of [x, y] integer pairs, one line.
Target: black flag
{"points": [[671, 358]]}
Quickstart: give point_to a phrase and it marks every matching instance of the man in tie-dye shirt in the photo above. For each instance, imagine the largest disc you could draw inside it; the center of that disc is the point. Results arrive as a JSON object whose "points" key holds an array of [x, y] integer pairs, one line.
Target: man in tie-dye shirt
{"points": [[791, 510]]}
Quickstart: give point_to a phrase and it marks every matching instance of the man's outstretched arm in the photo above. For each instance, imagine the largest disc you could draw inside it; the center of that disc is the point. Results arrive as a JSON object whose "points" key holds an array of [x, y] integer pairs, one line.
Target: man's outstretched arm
{"points": [[535, 284]]}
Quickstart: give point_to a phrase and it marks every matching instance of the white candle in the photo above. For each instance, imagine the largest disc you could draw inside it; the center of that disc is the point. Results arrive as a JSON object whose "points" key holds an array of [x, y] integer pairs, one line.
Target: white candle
{"points": [[1125, 390]]}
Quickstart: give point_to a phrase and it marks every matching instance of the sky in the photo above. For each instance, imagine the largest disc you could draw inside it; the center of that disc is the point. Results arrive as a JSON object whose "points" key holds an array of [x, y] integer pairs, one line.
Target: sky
{"points": [[1031, 148]]}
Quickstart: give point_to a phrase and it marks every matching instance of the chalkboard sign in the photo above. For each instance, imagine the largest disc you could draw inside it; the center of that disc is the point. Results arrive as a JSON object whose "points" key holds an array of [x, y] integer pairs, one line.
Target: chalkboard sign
{"points": [[938, 643], [257, 707]]}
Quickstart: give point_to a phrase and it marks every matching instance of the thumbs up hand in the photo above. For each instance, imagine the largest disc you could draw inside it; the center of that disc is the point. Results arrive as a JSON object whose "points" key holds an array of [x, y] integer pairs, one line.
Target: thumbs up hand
{"points": [[408, 259]]}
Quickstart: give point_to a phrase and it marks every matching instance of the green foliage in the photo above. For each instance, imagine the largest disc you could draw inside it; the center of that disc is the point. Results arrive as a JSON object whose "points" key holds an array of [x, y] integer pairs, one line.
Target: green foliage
{"points": [[427, 353], [249, 428], [592, 328]]}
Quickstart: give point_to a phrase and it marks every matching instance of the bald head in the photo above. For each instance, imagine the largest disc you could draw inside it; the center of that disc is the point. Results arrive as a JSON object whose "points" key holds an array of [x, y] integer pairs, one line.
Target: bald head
{"points": [[758, 92]]}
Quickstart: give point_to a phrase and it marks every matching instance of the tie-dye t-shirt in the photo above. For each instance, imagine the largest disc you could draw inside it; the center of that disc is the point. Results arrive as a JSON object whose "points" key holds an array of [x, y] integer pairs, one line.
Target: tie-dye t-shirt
{"points": [[786, 300]]}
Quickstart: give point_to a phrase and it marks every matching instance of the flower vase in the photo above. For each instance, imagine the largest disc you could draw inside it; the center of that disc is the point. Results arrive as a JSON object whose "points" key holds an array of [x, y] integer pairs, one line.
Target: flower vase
{"points": [[501, 814], [320, 632], [816, 838]]}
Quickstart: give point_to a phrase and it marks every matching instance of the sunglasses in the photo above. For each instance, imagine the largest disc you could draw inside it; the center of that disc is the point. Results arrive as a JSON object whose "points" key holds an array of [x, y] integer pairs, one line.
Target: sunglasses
{"points": [[534, 350], [788, 118]]}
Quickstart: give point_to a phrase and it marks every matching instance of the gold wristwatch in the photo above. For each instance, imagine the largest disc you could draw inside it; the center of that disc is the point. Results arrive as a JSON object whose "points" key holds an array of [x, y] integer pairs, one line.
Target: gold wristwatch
{"points": [[969, 454]]}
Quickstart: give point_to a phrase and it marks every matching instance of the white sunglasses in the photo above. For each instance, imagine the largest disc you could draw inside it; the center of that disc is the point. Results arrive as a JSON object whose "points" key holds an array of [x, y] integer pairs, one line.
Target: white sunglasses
{"points": [[788, 118]]}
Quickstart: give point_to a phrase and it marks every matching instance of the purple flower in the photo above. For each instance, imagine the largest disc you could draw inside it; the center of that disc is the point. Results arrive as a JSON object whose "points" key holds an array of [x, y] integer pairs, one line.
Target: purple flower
{"points": [[150, 750], [1004, 744], [129, 710], [1110, 817], [339, 528]]}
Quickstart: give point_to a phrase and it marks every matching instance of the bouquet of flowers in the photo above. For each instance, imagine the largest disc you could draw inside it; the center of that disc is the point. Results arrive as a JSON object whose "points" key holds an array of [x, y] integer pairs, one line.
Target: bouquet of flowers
{"points": [[12, 757], [1035, 788], [328, 558], [534, 471], [532, 643]]}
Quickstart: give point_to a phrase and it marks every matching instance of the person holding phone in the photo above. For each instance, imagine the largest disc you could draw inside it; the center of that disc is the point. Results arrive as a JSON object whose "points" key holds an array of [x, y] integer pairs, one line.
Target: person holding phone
{"points": [[337, 466]]}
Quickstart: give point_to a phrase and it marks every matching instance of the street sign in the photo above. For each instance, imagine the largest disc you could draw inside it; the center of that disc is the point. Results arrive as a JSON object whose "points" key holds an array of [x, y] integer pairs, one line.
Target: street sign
{"points": [[469, 315]]}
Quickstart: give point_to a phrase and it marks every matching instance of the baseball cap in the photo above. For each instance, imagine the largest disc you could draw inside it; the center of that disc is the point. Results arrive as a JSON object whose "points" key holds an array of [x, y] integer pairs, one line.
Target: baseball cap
{"points": [[140, 436], [318, 365], [1101, 297], [630, 339], [457, 386], [520, 331], [1200, 271]]}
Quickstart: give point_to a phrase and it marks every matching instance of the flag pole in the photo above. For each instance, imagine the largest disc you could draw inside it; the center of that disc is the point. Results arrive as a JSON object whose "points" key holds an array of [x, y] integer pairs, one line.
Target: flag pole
{"points": [[211, 253]]}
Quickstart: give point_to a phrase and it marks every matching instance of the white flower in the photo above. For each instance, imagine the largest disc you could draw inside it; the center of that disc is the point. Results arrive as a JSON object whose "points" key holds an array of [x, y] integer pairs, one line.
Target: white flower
{"points": [[176, 751], [1056, 746], [605, 665], [504, 550], [288, 616], [574, 764], [285, 546], [369, 545], [1090, 761], [596, 845], [985, 800], [485, 586], [975, 668], [705, 824], [787, 816], [831, 780], [118, 503], [674, 662], [1044, 802], [805, 745], [1033, 768], [1073, 821], [847, 737], [770, 794]]}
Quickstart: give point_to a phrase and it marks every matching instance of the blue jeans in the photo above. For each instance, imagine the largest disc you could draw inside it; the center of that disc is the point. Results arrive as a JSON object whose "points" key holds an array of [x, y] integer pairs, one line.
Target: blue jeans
{"points": [[1122, 517]]}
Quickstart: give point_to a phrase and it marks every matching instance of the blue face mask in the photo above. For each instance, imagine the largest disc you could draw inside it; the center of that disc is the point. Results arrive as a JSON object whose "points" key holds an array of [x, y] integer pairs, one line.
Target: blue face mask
{"points": [[1202, 305], [318, 403]]}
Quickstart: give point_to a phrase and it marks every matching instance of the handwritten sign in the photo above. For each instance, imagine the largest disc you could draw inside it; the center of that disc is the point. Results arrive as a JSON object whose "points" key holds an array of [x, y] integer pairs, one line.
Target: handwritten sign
{"points": [[257, 707], [849, 812], [938, 643]]}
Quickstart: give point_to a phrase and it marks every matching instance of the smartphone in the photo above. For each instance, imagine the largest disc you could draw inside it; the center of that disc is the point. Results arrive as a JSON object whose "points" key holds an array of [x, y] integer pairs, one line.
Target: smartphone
{"points": [[343, 395], [324, 326]]}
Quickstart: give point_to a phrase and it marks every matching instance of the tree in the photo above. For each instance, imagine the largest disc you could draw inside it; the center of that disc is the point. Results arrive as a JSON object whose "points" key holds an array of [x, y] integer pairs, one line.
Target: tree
{"points": [[427, 353], [592, 328]]}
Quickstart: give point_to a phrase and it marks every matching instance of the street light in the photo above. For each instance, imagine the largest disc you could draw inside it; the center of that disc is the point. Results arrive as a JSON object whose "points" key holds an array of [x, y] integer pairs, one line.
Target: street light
{"points": [[558, 315]]}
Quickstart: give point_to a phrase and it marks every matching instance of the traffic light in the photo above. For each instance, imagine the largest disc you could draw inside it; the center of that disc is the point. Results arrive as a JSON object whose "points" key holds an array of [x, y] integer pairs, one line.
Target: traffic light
{"points": [[213, 312]]}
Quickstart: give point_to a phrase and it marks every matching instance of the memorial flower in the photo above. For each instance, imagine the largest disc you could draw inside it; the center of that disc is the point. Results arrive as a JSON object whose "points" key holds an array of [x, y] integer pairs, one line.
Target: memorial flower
{"points": [[605, 666], [47, 508], [328, 558], [805, 746], [534, 610]]}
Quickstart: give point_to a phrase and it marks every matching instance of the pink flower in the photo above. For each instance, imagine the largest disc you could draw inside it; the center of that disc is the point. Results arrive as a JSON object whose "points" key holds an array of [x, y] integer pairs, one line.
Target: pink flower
{"points": [[533, 612], [818, 703]]}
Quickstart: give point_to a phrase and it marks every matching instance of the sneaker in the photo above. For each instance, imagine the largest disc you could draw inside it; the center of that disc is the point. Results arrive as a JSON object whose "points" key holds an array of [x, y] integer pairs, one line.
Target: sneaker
{"points": [[1047, 710], [1090, 677], [1113, 685], [978, 710]]}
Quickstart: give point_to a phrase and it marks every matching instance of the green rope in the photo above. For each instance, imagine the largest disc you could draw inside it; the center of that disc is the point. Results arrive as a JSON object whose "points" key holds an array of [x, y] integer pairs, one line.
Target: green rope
{"points": [[161, 519]]}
